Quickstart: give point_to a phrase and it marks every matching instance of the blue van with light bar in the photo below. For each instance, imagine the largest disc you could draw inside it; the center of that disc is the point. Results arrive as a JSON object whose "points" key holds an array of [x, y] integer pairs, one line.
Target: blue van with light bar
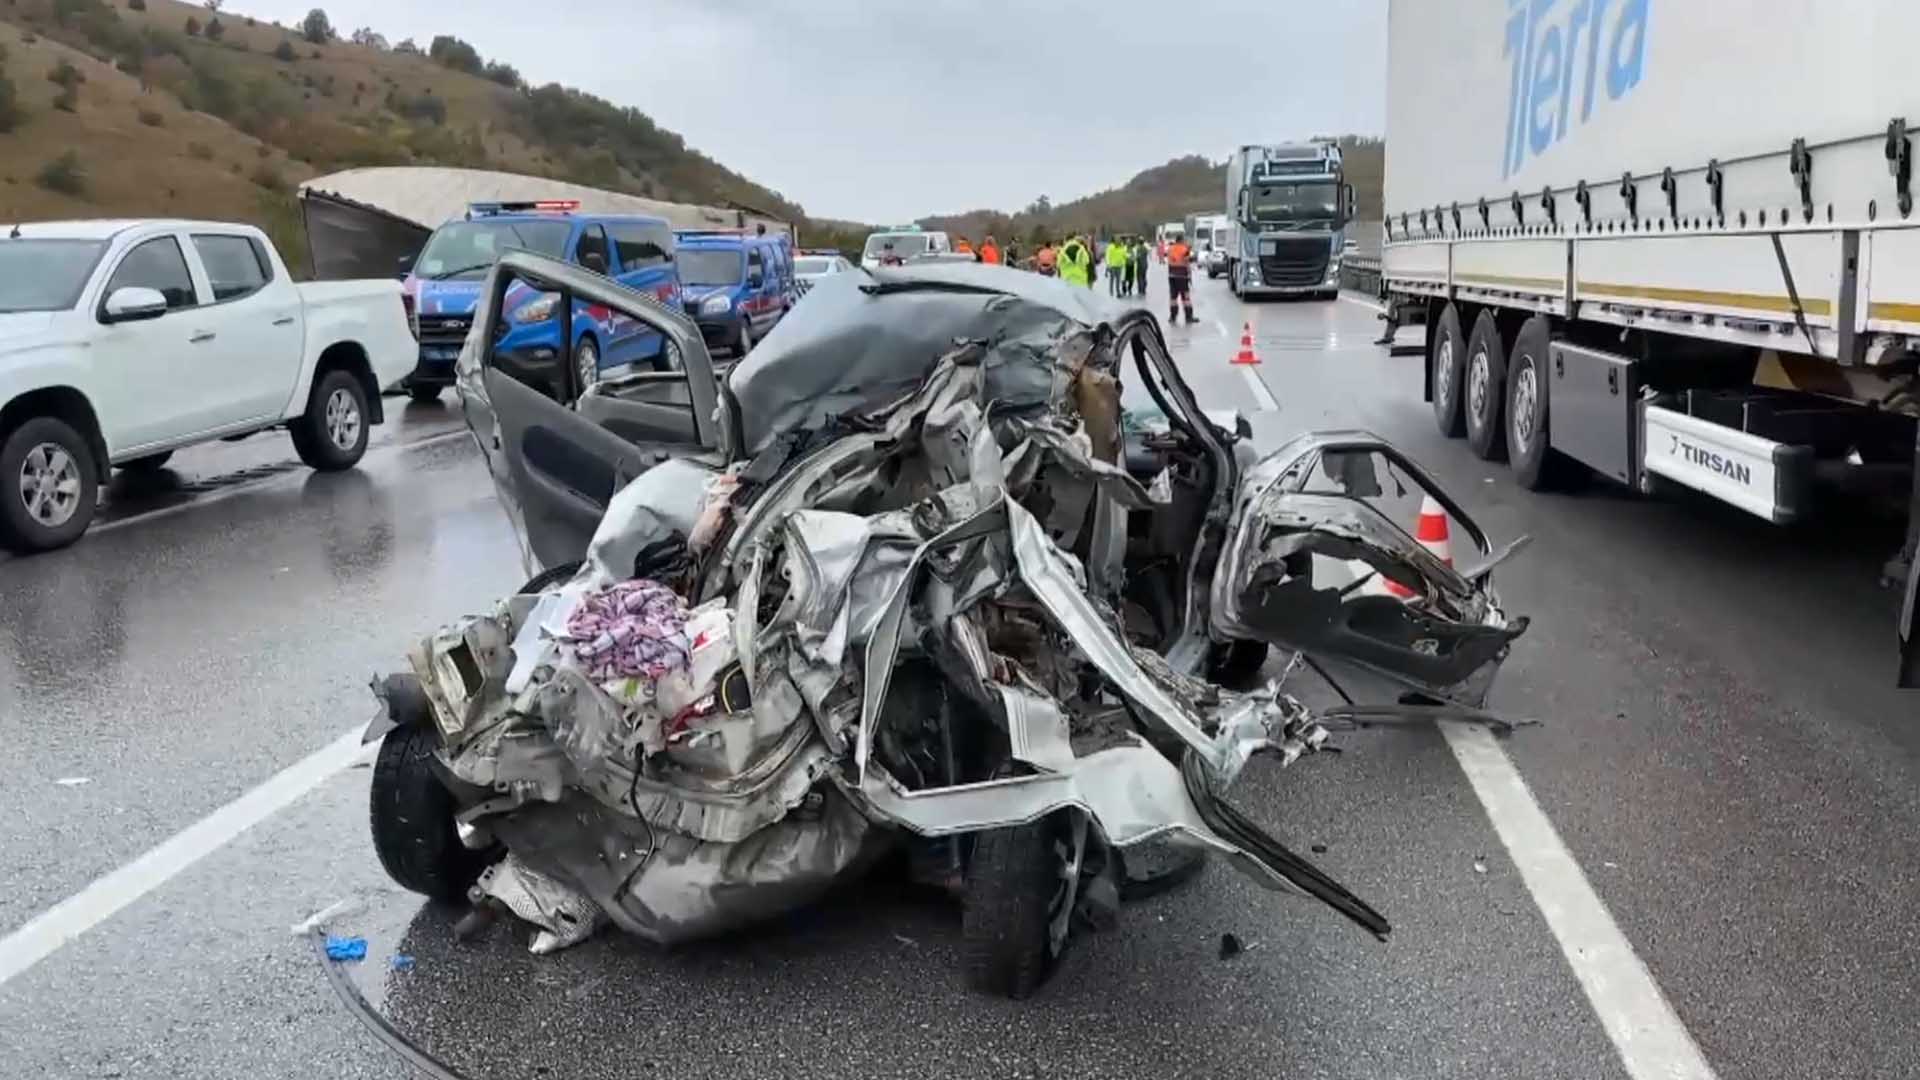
{"points": [[444, 284], [737, 285]]}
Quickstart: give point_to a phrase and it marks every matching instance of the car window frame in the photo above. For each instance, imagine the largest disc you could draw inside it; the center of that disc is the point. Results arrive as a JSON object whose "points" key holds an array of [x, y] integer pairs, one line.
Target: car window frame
{"points": [[189, 261], [664, 241], [754, 252], [260, 260]]}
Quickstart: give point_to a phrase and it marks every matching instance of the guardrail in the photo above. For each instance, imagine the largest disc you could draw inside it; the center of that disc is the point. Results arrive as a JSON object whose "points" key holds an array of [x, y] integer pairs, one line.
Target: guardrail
{"points": [[1360, 273]]}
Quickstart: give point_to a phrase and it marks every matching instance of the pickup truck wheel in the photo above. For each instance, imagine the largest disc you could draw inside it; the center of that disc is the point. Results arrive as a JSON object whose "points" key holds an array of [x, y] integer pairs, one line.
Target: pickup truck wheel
{"points": [[1486, 389], [333, 433], [150, 463], [48, 486], [1449, 373], [411, 815]]}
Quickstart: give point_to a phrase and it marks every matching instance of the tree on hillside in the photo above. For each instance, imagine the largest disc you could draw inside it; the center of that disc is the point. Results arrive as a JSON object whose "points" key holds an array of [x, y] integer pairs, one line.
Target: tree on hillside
{"points": [[407, 46], [216, 29], [193, 27], [316, 27], [1040, 206], [284, 53], [504, 74], [371, 38], [215, 5], [136, 5], [456, 54]]}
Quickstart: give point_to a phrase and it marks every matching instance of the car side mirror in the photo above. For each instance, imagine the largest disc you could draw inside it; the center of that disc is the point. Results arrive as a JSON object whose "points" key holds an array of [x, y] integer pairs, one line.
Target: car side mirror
{"points": [[594, 261], [133, 303], [756, 279]]}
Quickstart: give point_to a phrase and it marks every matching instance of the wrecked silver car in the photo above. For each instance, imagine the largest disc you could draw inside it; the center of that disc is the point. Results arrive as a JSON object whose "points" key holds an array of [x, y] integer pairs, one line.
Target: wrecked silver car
{"points": [[913, 574]]}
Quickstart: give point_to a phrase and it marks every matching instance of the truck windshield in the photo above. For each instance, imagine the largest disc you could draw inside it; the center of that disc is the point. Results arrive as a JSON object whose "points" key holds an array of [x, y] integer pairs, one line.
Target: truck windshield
{"points": [[45, 275], [1292, 202], [708, 267], [468, 249], [905, 245]]}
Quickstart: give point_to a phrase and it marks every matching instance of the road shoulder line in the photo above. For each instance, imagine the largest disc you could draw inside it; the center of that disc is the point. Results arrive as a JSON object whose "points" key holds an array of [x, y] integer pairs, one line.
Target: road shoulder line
{"points": [[1652, 1042]]}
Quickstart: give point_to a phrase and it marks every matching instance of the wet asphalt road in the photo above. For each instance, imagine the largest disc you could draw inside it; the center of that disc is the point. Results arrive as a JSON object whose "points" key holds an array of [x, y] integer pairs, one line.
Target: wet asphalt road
{"points": [[1722, 753]]}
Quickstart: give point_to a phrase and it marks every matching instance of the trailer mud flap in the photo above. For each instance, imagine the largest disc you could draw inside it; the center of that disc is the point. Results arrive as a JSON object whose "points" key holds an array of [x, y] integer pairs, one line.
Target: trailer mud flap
{"points": [[1765, 478]]}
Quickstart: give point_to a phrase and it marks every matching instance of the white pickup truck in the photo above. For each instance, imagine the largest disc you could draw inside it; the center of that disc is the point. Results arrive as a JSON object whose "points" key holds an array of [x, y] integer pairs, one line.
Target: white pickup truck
{"points": [[123, 341]]}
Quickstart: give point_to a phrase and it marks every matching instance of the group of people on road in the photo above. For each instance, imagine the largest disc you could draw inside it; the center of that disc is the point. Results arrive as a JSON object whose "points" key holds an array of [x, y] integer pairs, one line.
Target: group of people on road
{"points": [[1075, 260]]}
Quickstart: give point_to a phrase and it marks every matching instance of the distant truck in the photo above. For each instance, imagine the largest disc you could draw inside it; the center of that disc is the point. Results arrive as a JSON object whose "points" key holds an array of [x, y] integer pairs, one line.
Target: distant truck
{"points": [[1290, 205], [123, 341], [1669, 251]]}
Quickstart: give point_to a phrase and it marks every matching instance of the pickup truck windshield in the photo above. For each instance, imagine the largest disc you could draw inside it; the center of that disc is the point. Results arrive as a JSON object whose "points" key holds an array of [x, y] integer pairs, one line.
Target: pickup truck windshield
{"points": [[45, 275], [905, 245], [1286, 202], [468, 249], [709, 267]]}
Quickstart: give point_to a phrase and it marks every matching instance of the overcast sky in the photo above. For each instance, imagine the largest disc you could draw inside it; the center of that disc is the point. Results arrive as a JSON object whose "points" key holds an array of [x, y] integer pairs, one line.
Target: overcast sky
{"points": [[887, 110]]}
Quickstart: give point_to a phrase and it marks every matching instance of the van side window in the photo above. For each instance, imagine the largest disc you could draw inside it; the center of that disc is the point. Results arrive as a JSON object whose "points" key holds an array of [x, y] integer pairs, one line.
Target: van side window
{"points": [[234, 266], [756, 264], [642, 245], [593, 241], [156, 264]]}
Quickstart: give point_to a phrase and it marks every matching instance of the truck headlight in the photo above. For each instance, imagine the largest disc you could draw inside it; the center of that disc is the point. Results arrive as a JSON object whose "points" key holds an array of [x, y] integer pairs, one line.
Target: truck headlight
{"points": [[539, 310], [717, 304]]}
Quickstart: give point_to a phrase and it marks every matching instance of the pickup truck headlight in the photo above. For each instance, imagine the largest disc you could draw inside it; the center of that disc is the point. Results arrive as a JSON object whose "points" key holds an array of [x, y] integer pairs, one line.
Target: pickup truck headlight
{"points": [[538, 310], [717, 304]]}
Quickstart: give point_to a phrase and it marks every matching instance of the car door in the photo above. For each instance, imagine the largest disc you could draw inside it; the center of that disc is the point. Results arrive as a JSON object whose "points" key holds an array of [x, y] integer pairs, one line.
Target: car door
{"points": [[157, 381], [558, 460], [255, 319], [644, 251]]}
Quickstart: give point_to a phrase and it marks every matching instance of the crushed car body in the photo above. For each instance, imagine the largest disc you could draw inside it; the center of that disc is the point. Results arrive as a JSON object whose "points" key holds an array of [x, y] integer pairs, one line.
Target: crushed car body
{"points": [[909, 575]]}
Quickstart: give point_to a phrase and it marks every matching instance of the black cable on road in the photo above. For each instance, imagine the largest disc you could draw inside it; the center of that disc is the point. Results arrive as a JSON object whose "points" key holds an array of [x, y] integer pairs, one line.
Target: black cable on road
{"points": [[421, 1061]]}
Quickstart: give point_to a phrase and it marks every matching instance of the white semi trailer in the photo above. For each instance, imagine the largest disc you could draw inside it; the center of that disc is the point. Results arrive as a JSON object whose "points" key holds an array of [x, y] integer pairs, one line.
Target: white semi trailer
{"points": [[1663, 241]]}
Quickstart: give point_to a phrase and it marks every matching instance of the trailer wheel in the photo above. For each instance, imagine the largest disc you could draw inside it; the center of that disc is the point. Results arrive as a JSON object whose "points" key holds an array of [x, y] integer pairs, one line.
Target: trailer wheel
{"points": [[1536, 465], [1486, 389], [1449, 373]]}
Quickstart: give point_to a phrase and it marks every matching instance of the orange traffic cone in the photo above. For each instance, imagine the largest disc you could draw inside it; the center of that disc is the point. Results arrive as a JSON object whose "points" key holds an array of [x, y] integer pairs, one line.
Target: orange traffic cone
{"points": [[1246, 354], [1431, 531]]}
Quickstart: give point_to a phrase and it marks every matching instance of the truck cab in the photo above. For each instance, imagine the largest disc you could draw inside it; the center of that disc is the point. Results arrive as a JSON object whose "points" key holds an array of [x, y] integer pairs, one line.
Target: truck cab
{"points": [[736, 286], [445, 281], [1290, 204]]}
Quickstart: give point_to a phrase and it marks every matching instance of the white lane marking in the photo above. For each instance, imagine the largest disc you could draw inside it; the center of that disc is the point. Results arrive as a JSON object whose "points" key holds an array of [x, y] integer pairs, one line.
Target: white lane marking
{"points": [[59, 925], [1371, 305], [1652, 1042], [1259, 389], [1222, 327], [226, 493]]}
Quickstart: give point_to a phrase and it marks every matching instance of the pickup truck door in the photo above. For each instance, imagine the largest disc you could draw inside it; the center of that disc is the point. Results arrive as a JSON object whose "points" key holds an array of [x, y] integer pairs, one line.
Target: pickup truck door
{"points": [[558, 462], [156, 378], [257, 348]]}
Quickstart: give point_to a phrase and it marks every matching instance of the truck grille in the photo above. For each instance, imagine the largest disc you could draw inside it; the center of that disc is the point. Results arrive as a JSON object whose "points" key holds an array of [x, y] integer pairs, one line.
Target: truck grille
{"points": [[1296, 262], [444, 329]]}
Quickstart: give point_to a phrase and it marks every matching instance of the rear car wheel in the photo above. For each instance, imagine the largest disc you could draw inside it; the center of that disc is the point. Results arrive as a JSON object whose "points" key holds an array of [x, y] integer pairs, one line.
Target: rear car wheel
{"points": [[150, 463], [411, 814], [586, 363], [1449, 373], [1486, 389], [333, 433], [1015, 906], [48, 486]]}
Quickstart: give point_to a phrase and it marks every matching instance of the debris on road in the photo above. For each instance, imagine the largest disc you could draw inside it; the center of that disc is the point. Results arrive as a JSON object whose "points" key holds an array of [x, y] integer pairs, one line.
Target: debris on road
{"points": [[952, 594], [346, 948], [400, 962], [1230, 946], [352, 905]]}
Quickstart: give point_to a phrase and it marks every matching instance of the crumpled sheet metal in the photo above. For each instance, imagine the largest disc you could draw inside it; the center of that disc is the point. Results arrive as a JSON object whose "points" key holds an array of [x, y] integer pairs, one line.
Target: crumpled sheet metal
{"points": [[653, 508], [565, 916]]}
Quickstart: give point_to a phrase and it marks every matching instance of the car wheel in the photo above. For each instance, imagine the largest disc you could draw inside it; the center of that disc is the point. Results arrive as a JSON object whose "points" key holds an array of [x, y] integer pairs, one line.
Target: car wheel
{"points": [[424, 393], [1016, 905], [586, 364], [150, 463], [1486, 389], [1449, 373], [332, 435], [1536, 465], [411, 815], [48, 486]]}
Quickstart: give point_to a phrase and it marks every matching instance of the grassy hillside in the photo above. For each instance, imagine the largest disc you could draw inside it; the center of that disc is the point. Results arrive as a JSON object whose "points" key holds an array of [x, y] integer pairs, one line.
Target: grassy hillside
{"points": [[1169, 192], [170, 108]]}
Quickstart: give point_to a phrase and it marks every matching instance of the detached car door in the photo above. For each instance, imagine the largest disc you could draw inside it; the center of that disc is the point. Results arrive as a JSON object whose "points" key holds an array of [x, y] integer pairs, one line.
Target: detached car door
{"points": [[558, 454]]}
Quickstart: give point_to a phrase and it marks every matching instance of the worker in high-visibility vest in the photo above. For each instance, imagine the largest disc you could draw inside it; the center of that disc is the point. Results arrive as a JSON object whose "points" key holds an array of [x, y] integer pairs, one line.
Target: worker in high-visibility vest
{"points": [[1118, 276], [1179, 280], [1076, 263], [961, 247], [990, 251]]}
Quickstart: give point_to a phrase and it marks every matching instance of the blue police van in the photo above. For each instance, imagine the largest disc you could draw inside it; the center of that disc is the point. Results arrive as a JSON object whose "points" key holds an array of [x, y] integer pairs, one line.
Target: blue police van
{"points": [[444, 283], [737, 285]]}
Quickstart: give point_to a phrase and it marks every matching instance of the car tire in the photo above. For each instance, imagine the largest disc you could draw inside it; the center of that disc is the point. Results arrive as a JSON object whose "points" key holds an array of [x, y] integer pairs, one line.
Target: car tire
{"points": [[332, 434], [411, 815], [424, 393], [49, 486], [150, 463], [1004, 916], [1449, 373], [1486, 389], [1536, 464], [586, 364]]}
